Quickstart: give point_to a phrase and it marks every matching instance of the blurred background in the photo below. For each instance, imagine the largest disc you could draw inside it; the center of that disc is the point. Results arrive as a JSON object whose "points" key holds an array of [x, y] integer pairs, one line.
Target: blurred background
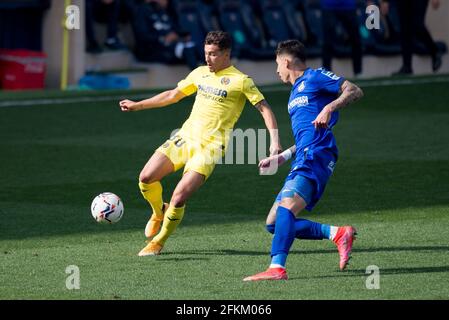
{"points": [[121, 44]]}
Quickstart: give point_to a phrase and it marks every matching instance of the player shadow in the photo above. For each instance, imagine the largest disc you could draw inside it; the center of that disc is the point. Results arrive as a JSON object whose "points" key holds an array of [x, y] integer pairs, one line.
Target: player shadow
{"points": [[382, 271], [377, 249], [308, 251], [177, 259]]}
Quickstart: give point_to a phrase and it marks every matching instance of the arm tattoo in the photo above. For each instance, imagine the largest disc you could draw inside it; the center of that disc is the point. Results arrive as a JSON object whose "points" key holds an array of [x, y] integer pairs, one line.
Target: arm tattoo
{"points": [[349, 93]]}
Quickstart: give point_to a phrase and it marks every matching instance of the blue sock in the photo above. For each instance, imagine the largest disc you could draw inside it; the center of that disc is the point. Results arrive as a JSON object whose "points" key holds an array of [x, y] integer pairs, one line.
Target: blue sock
{"points": [[279, 259], [307, 230], [270, 228], [326, 231], [284, 234]]}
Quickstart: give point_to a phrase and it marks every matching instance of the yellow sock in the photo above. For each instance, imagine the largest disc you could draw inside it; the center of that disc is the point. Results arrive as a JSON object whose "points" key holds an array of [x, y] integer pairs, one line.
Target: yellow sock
{"points": [[173, 217], [153, 194]]}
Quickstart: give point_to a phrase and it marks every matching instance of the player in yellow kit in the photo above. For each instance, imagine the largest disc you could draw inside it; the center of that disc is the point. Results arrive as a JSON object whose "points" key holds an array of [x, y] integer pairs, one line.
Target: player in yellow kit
{"points": [[221, 93]]}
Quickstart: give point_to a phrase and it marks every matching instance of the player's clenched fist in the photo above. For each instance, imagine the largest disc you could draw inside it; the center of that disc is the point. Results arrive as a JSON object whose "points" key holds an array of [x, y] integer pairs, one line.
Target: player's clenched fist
{"points": [[128, 105]]}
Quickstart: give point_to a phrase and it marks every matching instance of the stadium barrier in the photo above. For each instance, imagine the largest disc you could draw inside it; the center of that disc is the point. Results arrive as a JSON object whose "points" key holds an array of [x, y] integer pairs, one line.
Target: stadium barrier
{"points": [[22, 69]]}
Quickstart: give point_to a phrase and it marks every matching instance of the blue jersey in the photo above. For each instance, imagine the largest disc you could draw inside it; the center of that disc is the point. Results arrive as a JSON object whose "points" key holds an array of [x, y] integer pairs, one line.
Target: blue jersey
{"points": [[309, 95], [316, 149]]}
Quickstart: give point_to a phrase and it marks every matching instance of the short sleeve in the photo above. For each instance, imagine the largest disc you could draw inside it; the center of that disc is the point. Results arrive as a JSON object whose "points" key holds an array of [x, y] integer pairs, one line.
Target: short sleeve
{"points": [[187, 85], [329, 82], [251, 92]]}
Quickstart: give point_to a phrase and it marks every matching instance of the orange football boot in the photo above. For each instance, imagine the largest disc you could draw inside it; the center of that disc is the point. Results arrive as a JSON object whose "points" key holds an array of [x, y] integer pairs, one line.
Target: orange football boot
{"points": [[343, 240], [154, 224], [151, 249], [270, 274]]}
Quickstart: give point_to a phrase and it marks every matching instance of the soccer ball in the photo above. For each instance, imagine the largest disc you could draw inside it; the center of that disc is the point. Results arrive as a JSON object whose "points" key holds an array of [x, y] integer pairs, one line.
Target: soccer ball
{"points": [[107, 208]]}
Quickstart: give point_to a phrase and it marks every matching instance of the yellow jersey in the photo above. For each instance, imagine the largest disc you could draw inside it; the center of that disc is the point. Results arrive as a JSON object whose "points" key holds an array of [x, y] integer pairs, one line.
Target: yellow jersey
{"points": [[219, 102]]}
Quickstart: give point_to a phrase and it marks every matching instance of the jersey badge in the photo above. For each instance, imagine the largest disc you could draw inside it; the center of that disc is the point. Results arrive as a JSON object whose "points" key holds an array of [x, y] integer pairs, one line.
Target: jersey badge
{"points": [[225, 81]]}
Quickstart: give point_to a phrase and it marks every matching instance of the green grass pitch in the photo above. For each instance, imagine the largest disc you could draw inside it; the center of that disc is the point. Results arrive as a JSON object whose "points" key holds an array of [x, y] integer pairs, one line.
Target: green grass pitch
{"points": [[391, 182]]}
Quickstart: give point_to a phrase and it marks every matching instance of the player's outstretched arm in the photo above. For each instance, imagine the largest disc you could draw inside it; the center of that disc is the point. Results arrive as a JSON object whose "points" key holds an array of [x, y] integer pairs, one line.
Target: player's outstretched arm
{"points": [[278, 159], [272, 126], [349, 93], [160, 100]]}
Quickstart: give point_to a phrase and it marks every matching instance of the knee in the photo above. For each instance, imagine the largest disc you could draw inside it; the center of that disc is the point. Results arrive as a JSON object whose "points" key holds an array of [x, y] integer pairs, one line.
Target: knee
{"points": [[147, 177], [294, 205], [270, 228], [153, 187], [178, 199]]}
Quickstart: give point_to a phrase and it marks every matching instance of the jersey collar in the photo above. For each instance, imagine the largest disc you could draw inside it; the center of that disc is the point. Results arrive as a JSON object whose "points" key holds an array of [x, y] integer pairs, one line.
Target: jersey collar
{"points": [[301, 77], [224, 70]]}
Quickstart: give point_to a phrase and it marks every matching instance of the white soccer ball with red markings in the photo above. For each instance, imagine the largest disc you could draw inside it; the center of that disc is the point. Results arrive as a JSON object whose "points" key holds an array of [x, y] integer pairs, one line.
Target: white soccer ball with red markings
{"points": [[107, 208]]}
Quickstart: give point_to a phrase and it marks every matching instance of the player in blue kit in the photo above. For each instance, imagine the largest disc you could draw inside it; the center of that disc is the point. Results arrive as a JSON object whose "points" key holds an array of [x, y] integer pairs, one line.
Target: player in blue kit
{"points": [[315, 98]]}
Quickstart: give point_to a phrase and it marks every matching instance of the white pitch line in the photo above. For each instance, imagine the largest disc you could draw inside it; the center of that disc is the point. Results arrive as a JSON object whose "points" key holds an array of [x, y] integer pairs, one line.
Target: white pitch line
{"points": [[402, 82], [362, 83], [383, 83], [47, 101]]}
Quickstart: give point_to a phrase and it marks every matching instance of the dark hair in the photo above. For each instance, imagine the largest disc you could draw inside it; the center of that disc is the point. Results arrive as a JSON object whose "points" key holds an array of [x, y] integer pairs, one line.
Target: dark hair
{"points": [[292, 47], [220, 38]]}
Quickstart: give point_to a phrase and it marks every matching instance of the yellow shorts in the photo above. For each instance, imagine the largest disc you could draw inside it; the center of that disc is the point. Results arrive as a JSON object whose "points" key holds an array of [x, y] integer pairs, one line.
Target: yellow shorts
{"points": [[198, 157]]}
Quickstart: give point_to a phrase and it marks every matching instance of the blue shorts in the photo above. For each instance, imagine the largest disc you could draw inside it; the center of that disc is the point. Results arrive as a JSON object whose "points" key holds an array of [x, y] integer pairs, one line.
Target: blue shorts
{"points": [[308, 177], [302, 186]]}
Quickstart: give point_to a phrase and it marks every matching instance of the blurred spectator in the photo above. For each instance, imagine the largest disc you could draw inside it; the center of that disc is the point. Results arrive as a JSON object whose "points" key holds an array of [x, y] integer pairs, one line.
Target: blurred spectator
{"points": [[344, 11], [158, 38], [21, 24], [108, 10], [412, 16]]}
